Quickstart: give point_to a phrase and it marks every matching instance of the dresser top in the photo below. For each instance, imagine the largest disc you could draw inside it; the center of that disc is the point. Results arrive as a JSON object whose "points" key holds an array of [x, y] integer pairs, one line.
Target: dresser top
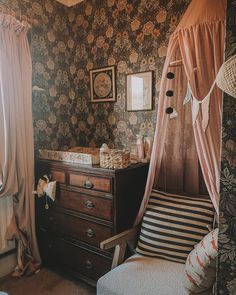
{"points": [[87, 168]]}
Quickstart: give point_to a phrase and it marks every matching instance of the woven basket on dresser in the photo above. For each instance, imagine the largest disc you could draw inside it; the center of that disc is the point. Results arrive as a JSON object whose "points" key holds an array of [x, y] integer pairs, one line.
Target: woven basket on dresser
{"points": [[115, 159]]}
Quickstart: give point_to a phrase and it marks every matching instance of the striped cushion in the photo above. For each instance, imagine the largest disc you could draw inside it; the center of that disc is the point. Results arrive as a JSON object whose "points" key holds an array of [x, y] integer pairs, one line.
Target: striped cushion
{"points": [[172, 225]]}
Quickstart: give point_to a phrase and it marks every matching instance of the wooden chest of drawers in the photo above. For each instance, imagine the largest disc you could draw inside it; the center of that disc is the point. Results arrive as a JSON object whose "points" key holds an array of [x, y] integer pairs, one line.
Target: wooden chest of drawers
{"points": [[92, 204]]}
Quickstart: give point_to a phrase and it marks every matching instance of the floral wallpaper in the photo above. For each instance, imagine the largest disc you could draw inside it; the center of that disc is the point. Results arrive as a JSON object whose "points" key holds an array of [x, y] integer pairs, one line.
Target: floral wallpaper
{"points": [[132, 35], [50, 39], [227, 235], [68, 42]]}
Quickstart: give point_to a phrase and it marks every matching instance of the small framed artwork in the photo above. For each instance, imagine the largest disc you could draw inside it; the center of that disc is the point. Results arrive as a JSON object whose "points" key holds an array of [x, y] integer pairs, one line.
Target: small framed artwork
{"points": [[103, 84], [139, 91]]}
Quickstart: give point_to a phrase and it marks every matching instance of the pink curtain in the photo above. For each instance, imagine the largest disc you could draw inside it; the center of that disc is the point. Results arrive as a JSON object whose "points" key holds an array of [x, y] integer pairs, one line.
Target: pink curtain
{"points": [[199, 43], [16, 149], [179, 145], [161, 128], [207, 60]]}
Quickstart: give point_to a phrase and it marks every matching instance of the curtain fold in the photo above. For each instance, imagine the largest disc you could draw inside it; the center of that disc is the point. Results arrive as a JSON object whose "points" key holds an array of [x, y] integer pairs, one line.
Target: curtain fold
{"points": [[179, 172], [6, 212], [198, 42], [17, 149], [207, 60], [161, 129]]}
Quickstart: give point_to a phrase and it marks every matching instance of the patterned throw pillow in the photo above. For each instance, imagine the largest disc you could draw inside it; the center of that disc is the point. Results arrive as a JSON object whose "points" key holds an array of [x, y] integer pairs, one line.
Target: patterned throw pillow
{"points": [[172, 225], [200, 267]]}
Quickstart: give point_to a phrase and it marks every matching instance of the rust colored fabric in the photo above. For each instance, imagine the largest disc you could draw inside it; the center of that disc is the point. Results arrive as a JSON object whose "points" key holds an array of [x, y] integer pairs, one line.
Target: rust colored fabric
{"points": [[198, 41]]}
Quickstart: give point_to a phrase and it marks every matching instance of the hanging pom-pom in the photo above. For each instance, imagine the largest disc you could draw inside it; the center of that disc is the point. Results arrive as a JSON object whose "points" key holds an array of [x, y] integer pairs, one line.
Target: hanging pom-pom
{"points": [[170, 75], [169, 110], [169, 93], [188, 95]]}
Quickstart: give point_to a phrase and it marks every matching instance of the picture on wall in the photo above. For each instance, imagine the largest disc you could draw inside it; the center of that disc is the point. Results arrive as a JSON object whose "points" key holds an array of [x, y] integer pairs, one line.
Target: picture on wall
{"points": [[102, 84], [139, 91]]}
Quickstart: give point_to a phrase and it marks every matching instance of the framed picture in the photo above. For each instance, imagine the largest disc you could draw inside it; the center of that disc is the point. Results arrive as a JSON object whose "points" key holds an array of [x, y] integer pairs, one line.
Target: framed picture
{"points": [[139, 91], [102, 84]]}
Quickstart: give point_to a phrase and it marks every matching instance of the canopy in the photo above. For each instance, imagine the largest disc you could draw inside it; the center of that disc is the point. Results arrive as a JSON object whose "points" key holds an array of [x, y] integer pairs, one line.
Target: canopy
{"points": [[194, 57]]}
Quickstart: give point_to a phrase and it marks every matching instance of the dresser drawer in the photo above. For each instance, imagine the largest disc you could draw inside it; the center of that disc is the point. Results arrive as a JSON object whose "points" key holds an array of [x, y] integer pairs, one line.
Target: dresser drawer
{"points": [[75, 258], [94, 206], [59, 176], [77, 228], [85, 262], [91, 182]]}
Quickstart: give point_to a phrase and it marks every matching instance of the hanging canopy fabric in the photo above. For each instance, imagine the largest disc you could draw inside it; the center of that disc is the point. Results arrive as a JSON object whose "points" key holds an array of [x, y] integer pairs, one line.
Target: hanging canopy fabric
{"points": [[198, 44]]}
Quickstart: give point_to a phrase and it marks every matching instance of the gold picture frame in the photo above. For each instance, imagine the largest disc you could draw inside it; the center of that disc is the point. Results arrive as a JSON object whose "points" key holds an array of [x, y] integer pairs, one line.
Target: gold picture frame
{"points": [[103, 84]]}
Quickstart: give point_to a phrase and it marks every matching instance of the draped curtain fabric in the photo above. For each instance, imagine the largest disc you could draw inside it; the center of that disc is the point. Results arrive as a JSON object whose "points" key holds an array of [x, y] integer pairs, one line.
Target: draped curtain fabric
{"points": [[199, 42], [179, 146], [16, 133], [202, 63], [6, 212]]}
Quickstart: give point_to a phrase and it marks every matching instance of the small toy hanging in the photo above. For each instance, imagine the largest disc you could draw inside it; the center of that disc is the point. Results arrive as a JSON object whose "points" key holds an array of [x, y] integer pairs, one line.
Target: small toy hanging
{"points": [[46, 188]]}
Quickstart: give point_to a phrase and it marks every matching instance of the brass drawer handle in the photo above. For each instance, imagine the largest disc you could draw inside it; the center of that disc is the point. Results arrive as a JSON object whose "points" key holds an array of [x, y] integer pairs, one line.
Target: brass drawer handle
{"points": [[90, 233], [89, 205], [88, 264], [88, 184]]}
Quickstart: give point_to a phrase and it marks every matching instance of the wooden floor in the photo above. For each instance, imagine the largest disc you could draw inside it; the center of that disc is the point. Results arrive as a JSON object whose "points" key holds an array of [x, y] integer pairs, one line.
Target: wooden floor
{"points": [[46, 282]]}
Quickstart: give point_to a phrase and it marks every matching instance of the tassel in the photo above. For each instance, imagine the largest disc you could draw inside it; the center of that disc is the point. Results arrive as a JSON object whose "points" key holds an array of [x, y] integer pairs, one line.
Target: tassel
{"points": [[205, 112], [195, 109], [188, 95]]}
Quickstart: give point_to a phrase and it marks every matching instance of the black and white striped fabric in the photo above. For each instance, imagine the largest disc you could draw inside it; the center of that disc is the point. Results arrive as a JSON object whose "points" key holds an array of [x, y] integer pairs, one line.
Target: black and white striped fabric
{"points": [[172, 225]]}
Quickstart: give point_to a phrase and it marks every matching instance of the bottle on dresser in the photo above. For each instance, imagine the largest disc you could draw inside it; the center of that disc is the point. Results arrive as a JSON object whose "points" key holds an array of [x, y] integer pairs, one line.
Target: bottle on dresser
{"points": [[140, 147]]}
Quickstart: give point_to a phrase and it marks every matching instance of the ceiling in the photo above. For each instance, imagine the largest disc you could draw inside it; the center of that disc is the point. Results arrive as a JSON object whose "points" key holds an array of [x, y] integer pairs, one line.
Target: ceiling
{"points": [[69, 3]]}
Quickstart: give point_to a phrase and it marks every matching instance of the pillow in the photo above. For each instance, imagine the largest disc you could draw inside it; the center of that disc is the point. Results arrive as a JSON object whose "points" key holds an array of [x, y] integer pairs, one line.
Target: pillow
{"points": [[172, 225], [200, 267]]}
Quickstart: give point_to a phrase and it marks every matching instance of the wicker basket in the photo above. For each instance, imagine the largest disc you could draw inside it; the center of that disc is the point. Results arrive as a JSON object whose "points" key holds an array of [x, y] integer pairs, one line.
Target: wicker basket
{"points": [[115, 159]]}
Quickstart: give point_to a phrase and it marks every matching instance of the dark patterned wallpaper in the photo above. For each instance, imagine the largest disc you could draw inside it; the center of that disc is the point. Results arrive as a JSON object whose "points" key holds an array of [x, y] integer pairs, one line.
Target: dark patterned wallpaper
{"points": [[227, 234], [131, 34], [50, 39]]}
